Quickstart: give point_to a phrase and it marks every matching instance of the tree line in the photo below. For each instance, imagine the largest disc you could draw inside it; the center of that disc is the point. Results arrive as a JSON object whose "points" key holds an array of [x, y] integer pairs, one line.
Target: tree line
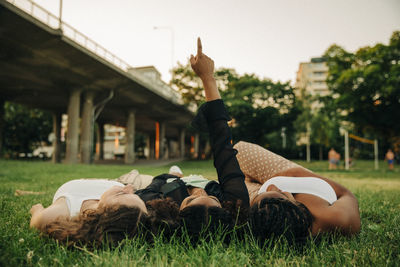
{"points": [[364, 97]]}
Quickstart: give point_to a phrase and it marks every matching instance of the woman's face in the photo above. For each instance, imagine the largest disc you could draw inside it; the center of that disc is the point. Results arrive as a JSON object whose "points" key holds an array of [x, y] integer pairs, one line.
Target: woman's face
{"points": [[202, 200], [273, 192], [121, 196]]}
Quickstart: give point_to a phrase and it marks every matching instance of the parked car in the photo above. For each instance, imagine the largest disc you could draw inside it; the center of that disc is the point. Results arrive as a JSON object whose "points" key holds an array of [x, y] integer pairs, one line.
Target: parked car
{"points": [[44, 152]]}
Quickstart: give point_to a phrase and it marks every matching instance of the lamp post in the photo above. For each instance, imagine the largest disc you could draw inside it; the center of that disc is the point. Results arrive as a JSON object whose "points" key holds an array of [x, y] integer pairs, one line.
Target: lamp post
{"points": [[60, 16], [172, 40]]}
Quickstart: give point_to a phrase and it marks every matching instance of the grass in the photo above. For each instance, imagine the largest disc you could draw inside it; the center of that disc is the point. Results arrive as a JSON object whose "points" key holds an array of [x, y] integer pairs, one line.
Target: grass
{"points": [[377, 244]]}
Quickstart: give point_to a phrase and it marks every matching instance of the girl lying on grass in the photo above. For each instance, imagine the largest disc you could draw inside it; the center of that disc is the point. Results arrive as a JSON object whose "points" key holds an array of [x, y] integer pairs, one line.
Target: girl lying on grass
{"points": [[213, 205], [91, 211], [287, 199]]}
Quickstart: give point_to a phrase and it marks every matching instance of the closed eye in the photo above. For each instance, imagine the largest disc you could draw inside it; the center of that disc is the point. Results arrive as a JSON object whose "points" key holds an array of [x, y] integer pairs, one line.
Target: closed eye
{"points": [[189, 200], [215, 198]]}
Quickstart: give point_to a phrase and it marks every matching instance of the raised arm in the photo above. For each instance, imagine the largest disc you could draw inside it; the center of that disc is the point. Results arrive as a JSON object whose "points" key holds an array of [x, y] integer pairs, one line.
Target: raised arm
{"points": [[203, 66], [230, 177]]}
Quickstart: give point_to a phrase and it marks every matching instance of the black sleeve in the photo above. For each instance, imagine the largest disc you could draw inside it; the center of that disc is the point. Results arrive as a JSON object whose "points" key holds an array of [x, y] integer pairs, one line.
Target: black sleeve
{"points": [[153, 190], [213, 116]]}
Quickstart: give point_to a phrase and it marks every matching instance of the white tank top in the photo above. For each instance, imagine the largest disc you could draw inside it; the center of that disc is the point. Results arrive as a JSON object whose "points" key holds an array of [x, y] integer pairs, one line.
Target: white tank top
{"points": [[306, 185], [77, 191]]}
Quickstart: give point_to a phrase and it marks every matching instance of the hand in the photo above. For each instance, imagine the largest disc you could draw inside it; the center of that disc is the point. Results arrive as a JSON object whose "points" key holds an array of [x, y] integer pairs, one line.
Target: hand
{"points": [[36, 208], [201, 64]]}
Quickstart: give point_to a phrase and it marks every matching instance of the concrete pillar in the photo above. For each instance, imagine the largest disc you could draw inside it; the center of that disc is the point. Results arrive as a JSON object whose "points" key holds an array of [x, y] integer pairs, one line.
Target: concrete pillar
{"points": [[152, 140], [147, 149], [73, 127], [196, 145], [162, 140], [182, 143], [1, 126], [130, 138], [87, 128], [100, 140], [56, 158]]}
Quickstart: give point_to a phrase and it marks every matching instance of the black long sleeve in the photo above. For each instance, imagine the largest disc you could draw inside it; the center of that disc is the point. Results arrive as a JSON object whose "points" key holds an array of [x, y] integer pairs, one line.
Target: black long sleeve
{"points": [[213, 117]]}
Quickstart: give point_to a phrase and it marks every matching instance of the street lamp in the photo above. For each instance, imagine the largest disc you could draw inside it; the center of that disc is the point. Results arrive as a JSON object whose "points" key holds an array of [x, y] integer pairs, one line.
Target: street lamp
{"points": [[60, 16], [172, 40]]}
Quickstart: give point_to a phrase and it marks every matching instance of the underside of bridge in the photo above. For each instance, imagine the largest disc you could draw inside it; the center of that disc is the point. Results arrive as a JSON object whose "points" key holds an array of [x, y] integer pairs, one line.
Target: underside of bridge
{"points": [[42, 68]]}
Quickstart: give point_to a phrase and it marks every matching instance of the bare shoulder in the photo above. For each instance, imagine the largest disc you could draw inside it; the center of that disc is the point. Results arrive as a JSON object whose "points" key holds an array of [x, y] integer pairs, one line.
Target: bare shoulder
{"points": [[42, 217], [343, 215]]}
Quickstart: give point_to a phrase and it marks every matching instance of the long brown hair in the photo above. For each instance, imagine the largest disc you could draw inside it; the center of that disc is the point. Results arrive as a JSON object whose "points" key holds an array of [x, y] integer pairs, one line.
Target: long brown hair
{"points": [[93, 227]]}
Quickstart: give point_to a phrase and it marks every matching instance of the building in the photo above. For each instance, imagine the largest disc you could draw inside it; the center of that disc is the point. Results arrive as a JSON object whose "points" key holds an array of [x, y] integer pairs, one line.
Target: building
{"points": [[311, 80], [311, 77]]}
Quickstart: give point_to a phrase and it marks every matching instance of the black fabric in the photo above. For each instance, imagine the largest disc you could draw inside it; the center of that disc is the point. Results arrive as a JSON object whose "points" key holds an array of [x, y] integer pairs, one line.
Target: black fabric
{"points": [[176, 190], [210, 111], [212, 117], [231, 179], [159, 188]]}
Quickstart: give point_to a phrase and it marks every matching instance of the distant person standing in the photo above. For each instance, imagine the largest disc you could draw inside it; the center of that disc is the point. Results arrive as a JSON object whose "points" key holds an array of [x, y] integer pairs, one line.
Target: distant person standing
{"points": [[390, 158], [332, 158], [337, 159]]}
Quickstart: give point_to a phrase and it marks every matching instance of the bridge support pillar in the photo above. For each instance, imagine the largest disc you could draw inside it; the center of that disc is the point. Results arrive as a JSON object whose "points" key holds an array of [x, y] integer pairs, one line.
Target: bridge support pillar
{"points": [[2, 102], [162, 140], [100, 140], [196, 145], [73, 127], [130, 138], [182, 143], [87, 124], [152, 147], [56, 157]]}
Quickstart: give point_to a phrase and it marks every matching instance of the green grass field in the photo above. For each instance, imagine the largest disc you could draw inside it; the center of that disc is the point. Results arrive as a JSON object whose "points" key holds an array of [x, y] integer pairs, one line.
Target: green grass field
{"points": [[378, 243]]}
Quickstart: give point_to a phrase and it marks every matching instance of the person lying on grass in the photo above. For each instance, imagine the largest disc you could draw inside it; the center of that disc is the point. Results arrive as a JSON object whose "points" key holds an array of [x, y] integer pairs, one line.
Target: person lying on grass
{"points": [[215, 205], [90, 211], [287, 199]]}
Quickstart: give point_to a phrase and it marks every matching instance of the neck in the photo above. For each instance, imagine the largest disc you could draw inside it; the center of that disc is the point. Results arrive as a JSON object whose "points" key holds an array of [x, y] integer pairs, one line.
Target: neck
{"points": [[90, 204], [196, 191]]}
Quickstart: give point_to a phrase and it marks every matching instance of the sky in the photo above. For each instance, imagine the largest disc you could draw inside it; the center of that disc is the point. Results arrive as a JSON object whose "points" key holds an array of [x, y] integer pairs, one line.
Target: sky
{"points": [[264, 37]]}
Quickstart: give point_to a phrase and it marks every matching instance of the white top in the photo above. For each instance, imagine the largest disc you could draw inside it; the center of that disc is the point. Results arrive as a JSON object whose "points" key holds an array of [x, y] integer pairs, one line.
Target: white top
{"points": [[306, 185], [193, 180], [77, 191]]}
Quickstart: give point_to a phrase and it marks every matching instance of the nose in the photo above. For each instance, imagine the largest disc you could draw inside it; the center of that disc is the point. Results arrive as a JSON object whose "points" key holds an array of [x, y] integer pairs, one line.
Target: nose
{"points": [[128, 189], [273, 187]]}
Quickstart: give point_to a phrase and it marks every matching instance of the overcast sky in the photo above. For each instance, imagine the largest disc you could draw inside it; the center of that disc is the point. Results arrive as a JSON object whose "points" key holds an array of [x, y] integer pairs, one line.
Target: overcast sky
{"points": [[265, 37]]}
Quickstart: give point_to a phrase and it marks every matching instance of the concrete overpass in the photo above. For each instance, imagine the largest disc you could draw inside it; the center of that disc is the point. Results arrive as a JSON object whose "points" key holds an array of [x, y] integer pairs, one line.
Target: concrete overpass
{"points": [[47, 64]]}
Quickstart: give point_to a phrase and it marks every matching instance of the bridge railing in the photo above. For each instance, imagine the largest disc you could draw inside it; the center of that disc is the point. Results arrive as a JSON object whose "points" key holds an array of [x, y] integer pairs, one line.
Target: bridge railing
{"points": [[54, 22]]}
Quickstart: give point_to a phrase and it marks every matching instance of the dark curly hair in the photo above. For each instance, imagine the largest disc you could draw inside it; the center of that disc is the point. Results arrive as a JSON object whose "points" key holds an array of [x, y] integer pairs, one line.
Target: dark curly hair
{"points": [[163, 216], [202, 221], [108, 225], [277, 217]]}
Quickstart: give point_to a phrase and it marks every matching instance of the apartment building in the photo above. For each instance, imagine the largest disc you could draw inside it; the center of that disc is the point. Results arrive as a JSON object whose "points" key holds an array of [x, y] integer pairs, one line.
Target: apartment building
{"points": [[311, 77]]}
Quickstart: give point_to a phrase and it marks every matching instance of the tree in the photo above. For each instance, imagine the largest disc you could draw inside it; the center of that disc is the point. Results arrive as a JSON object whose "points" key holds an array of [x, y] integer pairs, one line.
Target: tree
{"points": [[366, 86], [189, 85], [260, 108], [25, 127]]}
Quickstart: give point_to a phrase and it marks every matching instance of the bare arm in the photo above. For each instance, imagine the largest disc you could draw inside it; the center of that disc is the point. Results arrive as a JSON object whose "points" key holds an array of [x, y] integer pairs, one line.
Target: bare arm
{"points": [[203, 66], [342, 215], [42, 216]]}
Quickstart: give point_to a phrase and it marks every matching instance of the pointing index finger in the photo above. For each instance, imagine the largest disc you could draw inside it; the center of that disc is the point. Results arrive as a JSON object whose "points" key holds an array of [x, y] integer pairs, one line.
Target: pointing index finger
{"points": [[199, 47]]}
